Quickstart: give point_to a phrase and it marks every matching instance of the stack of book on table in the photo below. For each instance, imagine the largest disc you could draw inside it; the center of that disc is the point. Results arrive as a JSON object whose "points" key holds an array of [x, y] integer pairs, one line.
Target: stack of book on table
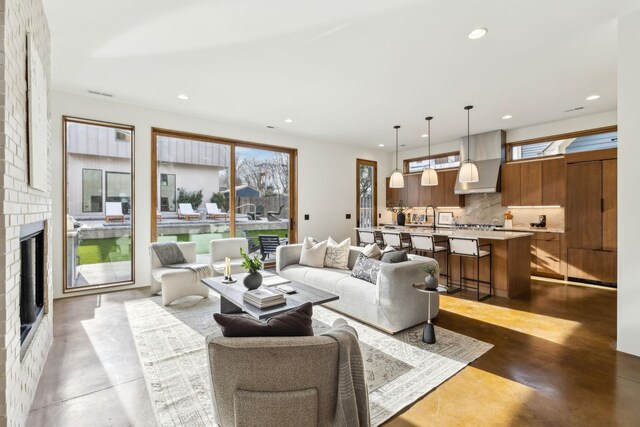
{"points": [[264, 298]]}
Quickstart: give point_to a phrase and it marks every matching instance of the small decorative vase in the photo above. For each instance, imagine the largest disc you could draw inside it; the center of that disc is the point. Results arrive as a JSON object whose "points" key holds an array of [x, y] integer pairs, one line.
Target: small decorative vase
{"points": [[508, 223], [431, 282], [252, 280], [400, 218]]}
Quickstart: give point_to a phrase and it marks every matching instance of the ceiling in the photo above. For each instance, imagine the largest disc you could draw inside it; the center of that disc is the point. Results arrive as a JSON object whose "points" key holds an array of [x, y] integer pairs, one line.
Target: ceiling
{"points": [[344, 71]]}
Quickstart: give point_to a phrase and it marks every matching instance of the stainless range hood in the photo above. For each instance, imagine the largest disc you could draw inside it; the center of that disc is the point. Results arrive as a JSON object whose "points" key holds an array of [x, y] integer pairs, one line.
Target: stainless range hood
{"points": [[488, 151]]}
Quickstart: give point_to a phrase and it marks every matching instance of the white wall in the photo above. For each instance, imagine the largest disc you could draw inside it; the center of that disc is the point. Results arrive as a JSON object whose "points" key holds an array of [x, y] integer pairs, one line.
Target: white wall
{"points": [[326, 171], [628, 178]]}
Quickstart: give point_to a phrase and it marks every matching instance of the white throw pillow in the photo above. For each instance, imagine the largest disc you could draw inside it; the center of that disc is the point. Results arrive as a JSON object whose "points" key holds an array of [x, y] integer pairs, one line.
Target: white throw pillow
{"points": [[372, 251], [313, 254], [337, 255], [388, 249]]}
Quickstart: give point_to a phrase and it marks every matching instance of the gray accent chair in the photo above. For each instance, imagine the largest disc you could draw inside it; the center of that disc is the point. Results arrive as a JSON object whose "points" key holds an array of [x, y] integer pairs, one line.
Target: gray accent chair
{"points": [[274, 381], [392, 304]]}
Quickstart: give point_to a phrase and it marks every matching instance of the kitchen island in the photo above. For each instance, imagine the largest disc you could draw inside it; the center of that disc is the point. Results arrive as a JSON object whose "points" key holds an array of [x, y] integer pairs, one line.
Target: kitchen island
{"points": [[510, 257]]}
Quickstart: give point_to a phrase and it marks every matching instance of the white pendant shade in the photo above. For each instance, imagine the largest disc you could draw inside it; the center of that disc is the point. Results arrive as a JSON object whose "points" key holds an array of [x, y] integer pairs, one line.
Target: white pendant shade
{"points": [[396, 180], [468, 172], [429, 177]]}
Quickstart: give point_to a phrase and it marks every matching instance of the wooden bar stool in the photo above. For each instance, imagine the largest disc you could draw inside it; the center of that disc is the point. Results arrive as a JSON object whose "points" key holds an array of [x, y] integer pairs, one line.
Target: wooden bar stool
{"points": [[426, 244], [465, 247]]}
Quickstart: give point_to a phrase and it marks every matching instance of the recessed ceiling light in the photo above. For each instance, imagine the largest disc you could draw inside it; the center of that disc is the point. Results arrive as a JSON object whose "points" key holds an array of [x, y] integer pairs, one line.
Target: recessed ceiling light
{"points": [[288, 120], [478, 33], [183, 97], [507, 117], [380, 145], [593, 97], [424, 135]]}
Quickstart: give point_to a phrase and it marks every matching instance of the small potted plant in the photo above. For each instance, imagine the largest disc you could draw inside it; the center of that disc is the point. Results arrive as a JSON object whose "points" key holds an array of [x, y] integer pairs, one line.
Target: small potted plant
{"points": [[399, 210], [253, 280], [431, 281]]}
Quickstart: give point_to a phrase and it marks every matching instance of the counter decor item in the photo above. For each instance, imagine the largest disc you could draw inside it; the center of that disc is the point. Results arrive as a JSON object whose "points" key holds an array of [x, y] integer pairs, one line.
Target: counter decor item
{"points": [[431, 281], [445, 218], [399, 209], [508, 219], [253, 280]]}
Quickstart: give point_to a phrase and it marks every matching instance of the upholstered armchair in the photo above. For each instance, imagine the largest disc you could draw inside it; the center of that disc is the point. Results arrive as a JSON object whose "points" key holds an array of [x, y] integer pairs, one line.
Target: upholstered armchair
{"points": [[274, 381], [174, 282], [219, 249]]}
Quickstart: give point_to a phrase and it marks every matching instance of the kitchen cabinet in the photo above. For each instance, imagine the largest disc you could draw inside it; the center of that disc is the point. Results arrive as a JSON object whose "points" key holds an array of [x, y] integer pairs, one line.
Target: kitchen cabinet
{"points": [[412, 184], [546, 254], [534, 183], [396, 195], [450, 197], [591, 216], [414, 194]]}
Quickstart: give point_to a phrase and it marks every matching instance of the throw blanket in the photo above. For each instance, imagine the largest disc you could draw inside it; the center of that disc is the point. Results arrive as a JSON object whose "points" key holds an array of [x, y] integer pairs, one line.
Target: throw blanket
{"points": [[169, 253], [201, 270], [352, 407]]}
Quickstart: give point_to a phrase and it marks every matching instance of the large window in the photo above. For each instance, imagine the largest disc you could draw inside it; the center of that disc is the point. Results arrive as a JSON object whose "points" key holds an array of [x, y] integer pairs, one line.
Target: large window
{"points": [[98, 201], [207, 188], [436, 161], [595, 139]]}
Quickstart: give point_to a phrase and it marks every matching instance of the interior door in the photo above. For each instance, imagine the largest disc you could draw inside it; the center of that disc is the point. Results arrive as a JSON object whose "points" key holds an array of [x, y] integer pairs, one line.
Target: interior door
{"points": [[366, 193]]}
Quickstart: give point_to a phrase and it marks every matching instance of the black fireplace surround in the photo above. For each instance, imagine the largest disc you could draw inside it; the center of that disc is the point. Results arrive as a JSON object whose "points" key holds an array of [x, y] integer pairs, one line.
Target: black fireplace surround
{"points": [[32, 265]]}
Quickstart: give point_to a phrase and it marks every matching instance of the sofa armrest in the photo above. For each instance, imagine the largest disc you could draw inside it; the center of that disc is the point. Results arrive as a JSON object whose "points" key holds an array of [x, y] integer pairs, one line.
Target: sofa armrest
{"points": [[287, 255], [395, 281]]}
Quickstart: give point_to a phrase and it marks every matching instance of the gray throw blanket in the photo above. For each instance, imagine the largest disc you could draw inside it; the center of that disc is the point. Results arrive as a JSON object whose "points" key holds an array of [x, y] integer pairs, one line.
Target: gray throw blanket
{"points": [[352, 407], [171, 256]]}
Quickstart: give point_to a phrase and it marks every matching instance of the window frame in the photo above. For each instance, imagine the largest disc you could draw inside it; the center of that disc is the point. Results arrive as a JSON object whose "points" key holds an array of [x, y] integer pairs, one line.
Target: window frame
{"points": [[551, 138], [101, 190], [405, 162]]}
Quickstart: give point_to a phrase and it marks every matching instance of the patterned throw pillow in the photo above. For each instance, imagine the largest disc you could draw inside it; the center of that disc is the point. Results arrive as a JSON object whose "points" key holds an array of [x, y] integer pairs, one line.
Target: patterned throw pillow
{"points": [[372, 251], [337, 255], [366, 269]]}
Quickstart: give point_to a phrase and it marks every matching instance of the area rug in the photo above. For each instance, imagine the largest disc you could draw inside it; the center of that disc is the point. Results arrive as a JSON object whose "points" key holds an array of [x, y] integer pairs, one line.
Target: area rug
{"points": [[170, 342]]}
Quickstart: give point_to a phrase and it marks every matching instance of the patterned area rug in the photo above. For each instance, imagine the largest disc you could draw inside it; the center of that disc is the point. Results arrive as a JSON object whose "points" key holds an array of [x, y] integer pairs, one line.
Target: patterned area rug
{"points": [[170, 341]]}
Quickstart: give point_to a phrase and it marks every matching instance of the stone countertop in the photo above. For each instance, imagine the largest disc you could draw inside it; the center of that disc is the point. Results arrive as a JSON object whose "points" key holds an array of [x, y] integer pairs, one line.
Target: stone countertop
{"points": [[532, 229], [480, 234]]}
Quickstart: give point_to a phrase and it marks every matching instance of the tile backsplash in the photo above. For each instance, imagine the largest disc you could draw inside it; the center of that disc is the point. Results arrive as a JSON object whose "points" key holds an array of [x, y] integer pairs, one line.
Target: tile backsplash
{"points": [[487, 209]]}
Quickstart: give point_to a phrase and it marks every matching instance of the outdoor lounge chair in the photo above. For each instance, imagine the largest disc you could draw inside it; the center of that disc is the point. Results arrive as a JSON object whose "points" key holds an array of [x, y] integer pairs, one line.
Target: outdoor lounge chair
{"points": [[113, 212], [185, 211], [214, 212], [275, 216], [268, 244]]}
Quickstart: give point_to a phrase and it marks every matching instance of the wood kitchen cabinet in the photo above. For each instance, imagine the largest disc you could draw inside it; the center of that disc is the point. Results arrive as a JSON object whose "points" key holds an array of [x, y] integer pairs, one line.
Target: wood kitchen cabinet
{"points": [[450, 197], [591, 216], [414, 194], [547, 255], [412, 184], [534, 183], [395, 195]]}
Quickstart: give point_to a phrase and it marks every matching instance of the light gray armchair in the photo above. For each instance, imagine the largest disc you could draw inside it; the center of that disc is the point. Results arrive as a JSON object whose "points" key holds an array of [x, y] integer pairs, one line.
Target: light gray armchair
{"points": [[274, 381]]}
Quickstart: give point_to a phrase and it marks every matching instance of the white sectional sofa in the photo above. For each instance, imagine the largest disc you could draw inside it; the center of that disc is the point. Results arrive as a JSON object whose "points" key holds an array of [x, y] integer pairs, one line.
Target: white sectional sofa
{"points": [[392, 304]]}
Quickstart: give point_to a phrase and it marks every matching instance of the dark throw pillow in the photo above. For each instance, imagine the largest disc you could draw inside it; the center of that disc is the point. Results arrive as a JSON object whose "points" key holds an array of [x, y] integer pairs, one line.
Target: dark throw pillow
{"points": [[394, 257], [366, 269], [169, 253], [293, 323]]}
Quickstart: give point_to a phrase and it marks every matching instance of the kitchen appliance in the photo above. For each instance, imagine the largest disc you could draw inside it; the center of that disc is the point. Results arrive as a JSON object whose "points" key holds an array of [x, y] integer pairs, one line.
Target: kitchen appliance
{"points": [[488, 152]]}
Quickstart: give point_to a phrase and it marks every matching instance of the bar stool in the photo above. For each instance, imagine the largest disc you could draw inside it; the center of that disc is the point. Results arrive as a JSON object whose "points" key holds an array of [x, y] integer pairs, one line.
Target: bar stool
{"points": [[366, 237], [394, 240], [465, 247], [422, 243]]}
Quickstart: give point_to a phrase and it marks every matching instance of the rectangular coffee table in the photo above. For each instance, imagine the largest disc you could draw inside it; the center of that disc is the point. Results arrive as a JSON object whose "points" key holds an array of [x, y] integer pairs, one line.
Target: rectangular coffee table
{"points": [[231, 297]]}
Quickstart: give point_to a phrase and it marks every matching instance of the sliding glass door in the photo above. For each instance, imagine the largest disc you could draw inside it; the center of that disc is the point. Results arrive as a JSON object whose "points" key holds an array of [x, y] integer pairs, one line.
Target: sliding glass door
{"points": [[98, 201], [207, 188]]}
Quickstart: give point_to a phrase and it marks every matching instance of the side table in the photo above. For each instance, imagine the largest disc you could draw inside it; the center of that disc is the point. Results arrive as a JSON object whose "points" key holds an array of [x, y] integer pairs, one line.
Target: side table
{"points": [[429, 332]]}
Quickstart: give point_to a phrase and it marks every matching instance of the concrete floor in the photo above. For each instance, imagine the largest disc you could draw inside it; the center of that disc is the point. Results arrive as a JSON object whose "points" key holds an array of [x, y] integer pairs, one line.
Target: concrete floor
{"points": [[553, 364]]}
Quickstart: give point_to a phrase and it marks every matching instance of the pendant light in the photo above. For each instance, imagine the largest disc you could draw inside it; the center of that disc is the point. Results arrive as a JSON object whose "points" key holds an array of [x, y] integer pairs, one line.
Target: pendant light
{"points": [[468, 168], [397, 179], [429, 174]]}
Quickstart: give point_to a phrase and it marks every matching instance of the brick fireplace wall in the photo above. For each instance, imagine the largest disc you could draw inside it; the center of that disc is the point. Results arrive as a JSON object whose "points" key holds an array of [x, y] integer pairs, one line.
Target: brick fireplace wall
{"points": [[20, 204]]}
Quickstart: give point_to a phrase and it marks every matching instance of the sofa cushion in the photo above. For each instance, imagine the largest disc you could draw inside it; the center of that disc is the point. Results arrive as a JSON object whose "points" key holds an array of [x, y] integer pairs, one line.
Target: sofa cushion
{"points": [[393, 257], [372, 251], [293, 323], [321, 278], [312, 255], [337, 255], [366, 269]]}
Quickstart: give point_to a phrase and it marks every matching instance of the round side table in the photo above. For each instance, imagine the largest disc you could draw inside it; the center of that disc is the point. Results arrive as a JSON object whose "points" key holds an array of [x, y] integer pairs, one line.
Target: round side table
{"points": [[429, 332]]}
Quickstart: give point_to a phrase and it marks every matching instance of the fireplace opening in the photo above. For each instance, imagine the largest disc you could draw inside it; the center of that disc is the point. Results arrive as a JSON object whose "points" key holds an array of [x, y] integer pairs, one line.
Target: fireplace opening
{"points": [[32, 266]]}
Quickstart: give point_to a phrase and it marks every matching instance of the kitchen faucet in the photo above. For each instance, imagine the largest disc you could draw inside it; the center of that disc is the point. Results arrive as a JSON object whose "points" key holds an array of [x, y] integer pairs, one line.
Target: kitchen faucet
{"points": [[426, 214]]}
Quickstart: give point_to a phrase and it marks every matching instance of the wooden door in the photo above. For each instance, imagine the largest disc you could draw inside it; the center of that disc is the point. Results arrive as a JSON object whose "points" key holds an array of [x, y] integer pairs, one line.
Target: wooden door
{"points": [[450, 196], [412, 184], [610, 205], [531, 183], [510, 177], [584, 205], [553, 182]]}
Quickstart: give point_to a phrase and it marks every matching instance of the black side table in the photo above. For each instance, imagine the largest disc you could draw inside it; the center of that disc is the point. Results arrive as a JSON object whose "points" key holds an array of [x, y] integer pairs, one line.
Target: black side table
{"points": [[429, 332]]}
